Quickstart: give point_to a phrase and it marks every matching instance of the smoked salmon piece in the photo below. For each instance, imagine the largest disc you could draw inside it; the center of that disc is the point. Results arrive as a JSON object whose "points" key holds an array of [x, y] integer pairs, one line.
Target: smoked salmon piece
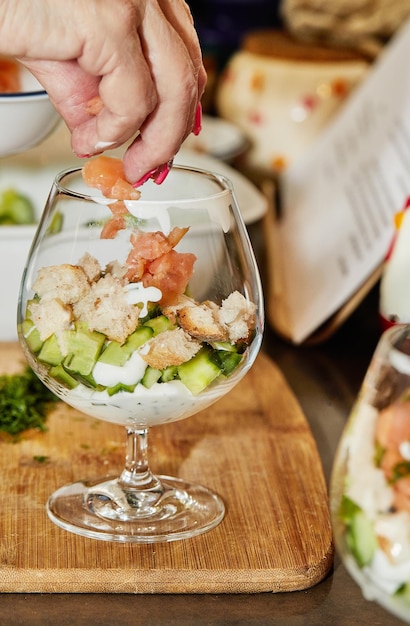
{"points": [[107, 174], [393, 430], [170, 273], [9, 76], [152, 259]]}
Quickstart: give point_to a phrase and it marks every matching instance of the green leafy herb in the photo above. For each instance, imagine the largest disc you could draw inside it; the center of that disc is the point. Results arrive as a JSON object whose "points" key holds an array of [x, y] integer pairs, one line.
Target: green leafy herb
{"points": [[40, 458], [400, 470], [24, 403]]}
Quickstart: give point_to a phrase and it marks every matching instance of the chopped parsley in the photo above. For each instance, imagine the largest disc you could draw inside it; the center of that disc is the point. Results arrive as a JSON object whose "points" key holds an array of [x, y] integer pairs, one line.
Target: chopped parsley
{"points": [[40, 458], [400, 470], [24, 403]]}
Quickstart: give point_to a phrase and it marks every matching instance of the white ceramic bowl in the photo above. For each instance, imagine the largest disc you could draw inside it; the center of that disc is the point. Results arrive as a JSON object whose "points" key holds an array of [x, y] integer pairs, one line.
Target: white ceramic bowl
{"points": [[26, 117]]}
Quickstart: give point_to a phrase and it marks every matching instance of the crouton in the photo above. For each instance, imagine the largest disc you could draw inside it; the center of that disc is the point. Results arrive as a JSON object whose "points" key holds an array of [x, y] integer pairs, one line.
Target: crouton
{"points": [[50, 317], [237, 316], [171, 347], [199, 321], [91, 267], [116, 269], [171, 310], [106, 310], [67, 283]]}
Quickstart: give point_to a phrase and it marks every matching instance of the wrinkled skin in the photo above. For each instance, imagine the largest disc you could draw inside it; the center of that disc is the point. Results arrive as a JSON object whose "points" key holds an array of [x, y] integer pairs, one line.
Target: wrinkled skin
{"points": [[141, 57]]}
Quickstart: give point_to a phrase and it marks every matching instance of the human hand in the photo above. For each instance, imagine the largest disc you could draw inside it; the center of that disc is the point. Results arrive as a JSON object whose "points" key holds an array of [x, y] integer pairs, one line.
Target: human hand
{"points": [[139, 61]]}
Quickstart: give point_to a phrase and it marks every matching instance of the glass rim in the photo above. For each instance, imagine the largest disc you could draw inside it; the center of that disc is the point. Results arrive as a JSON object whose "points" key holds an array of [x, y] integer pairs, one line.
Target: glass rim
{"points": [[393, 342], [226, 184]]}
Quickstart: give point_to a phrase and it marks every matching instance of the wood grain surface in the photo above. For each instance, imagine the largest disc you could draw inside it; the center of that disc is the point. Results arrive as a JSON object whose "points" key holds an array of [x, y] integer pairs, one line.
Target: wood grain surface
{"points": [[253, 447]]}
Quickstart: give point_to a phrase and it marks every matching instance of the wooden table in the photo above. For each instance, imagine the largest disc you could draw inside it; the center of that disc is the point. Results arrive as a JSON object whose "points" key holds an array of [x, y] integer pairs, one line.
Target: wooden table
{"points": [[325, 380]]}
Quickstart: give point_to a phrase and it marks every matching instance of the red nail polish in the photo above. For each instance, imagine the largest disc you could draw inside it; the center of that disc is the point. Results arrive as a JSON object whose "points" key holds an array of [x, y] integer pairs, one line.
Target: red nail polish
{"points": [[198, 120], [144, 178], [84, 156], [162, 173]]}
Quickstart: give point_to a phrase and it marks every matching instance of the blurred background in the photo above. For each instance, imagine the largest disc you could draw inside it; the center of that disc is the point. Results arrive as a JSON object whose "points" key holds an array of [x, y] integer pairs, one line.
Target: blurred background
{"points": [[280, 69]]}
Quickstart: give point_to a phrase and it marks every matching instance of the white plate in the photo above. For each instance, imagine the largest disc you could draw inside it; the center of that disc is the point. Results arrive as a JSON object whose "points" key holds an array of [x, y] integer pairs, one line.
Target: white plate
{"points": [[218, 138]]}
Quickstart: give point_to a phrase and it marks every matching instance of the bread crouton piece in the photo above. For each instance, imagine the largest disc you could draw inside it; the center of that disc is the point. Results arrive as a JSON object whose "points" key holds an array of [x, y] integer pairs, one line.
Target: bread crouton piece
{"points": [[171, 310], [116, 269], [106, 310], [91, 267], [50, 317], [237, 316], [67, 283], [200, 322], [172, 347]]}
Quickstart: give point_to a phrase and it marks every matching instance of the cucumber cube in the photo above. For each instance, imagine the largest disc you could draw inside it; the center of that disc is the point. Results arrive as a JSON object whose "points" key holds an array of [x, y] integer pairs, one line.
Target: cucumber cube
{"points": [[361, 538], [50, 352], [138, 338], [114, 354], [160, 324], [83, 347], [150, 377], [31, 335], [58, 372], [199, 372], [118, 354], [227, 361], [120, 387], [169, 373]]}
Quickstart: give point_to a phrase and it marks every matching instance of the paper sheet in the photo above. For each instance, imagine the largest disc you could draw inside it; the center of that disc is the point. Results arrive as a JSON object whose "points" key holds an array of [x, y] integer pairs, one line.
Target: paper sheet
{"points": [[338, 201]]}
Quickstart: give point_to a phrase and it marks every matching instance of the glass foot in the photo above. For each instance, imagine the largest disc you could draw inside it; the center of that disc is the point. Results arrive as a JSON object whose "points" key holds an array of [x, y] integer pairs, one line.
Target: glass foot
{"points": [[105, 510]]}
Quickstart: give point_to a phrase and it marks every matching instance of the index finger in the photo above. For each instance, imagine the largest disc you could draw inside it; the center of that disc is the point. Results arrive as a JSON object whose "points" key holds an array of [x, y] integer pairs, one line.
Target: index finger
{"points": [[179, 79]]}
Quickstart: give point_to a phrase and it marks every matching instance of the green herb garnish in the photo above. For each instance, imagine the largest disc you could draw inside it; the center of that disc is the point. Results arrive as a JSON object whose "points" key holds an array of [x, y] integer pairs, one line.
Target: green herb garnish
{"points": [[400, 470], [24, 403], [40, 458]]}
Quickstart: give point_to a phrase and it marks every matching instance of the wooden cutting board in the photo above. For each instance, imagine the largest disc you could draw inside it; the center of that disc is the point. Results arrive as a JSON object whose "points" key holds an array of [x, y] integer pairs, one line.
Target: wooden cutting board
{"points": [[253, 447]]}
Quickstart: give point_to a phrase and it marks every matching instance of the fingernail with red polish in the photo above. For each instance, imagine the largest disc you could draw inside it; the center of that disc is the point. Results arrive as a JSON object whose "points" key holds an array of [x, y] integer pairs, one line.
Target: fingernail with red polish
{"points": [[162, 172], [144, 178], [83, 156], [198, 120]]}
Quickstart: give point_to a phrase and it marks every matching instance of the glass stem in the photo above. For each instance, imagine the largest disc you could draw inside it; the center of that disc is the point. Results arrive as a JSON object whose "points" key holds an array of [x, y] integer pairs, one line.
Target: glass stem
{"points": [[136, 474]]}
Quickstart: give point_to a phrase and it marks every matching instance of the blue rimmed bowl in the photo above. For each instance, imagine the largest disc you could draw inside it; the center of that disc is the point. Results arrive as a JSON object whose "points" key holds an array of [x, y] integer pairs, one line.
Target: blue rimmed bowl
{"points": [[26, 117]]}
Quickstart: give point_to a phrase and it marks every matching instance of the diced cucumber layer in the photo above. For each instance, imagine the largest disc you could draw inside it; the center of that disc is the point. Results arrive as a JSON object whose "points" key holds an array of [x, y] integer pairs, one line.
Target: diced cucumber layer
{"points": [[199, 372], [404, 593], [50, 352], [160, 324], [138, 338], [114, 354], [120, 387], [150, 377], [31, 335], [83, 347], [169, 373], [361, 538], [59, 373], [227, 361], [118, 354]]}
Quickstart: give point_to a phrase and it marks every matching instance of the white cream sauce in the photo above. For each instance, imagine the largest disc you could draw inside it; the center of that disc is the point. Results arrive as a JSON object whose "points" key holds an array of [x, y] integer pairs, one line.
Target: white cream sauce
{"points": [[138, 294], [163, 402], [129, 374]]}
